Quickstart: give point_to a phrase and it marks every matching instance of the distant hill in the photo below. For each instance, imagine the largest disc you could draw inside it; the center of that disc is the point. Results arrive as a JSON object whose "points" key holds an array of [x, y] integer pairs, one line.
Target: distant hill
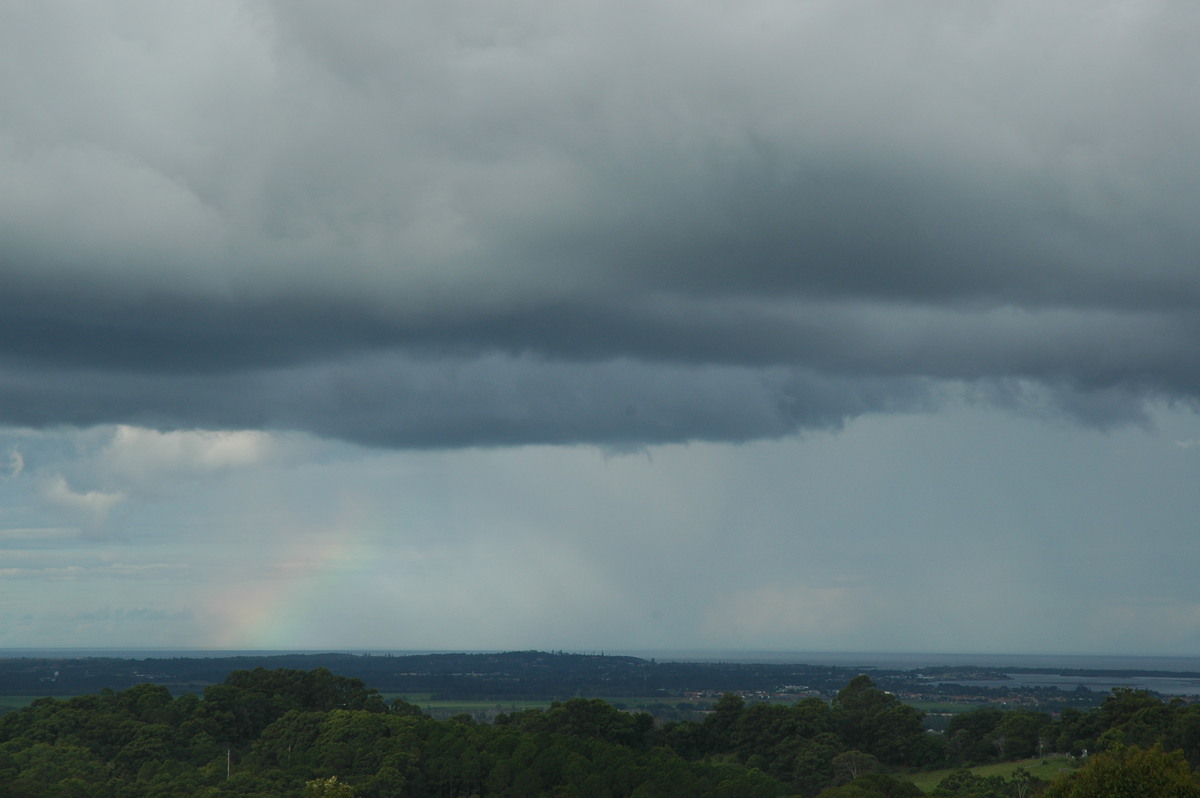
{"points": [[510, 675], [534, 675]]}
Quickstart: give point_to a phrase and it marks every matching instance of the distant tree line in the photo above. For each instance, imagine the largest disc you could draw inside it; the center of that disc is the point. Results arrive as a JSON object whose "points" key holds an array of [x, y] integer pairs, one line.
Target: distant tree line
{"points": [[514, 675], [510, 675], [287, 732]]}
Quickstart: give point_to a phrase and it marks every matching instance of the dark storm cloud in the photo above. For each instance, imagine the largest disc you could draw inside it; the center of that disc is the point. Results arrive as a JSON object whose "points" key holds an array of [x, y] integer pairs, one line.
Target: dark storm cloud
{"points": [[445, 225], [388, 400]]}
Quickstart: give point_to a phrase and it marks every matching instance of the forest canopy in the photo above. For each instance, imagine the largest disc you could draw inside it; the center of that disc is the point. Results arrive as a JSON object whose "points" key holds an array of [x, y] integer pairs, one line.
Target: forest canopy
{"points": [[287, 732]]}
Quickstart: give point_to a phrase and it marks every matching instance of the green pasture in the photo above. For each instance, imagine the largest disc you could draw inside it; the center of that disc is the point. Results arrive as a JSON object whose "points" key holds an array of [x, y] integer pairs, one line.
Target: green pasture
{"points": [[443, 708], [1045, 769], [426, 702]]}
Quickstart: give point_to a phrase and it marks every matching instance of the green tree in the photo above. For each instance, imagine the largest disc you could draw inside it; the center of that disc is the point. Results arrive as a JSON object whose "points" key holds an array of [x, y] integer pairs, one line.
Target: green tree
{"points": [[592, 718], [720, 722], [1018, 733], [1023, 783], [1185, 733], [963, 783], [876, 785], [851, 765], [969, 735], [1129, 772], [877, 722], [327, 788]]}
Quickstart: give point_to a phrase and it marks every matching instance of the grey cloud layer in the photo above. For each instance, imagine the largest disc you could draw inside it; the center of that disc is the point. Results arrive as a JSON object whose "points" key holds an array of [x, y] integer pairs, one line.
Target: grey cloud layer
{"points": [[445, 225]]}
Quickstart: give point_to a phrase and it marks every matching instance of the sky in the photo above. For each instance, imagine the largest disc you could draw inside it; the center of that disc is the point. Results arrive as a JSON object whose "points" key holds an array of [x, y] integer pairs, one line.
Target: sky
{"points": [[797, 326]]}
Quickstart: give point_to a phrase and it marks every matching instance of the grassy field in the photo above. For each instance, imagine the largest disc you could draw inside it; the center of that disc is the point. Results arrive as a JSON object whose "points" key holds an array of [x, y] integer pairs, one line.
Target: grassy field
{"points": [[426, 703], [1041, 768]]}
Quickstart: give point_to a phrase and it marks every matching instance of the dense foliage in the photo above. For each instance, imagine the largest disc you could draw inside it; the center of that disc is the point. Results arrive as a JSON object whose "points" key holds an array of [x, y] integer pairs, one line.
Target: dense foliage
{"points": [[1127, 717], [311, 733], [1130, 773], [292, 733]]}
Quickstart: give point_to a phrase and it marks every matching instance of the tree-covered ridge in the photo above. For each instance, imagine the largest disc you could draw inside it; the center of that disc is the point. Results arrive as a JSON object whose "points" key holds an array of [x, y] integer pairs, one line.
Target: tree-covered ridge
{"points": [[504, 675], [289, 732], [519, 675]]}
